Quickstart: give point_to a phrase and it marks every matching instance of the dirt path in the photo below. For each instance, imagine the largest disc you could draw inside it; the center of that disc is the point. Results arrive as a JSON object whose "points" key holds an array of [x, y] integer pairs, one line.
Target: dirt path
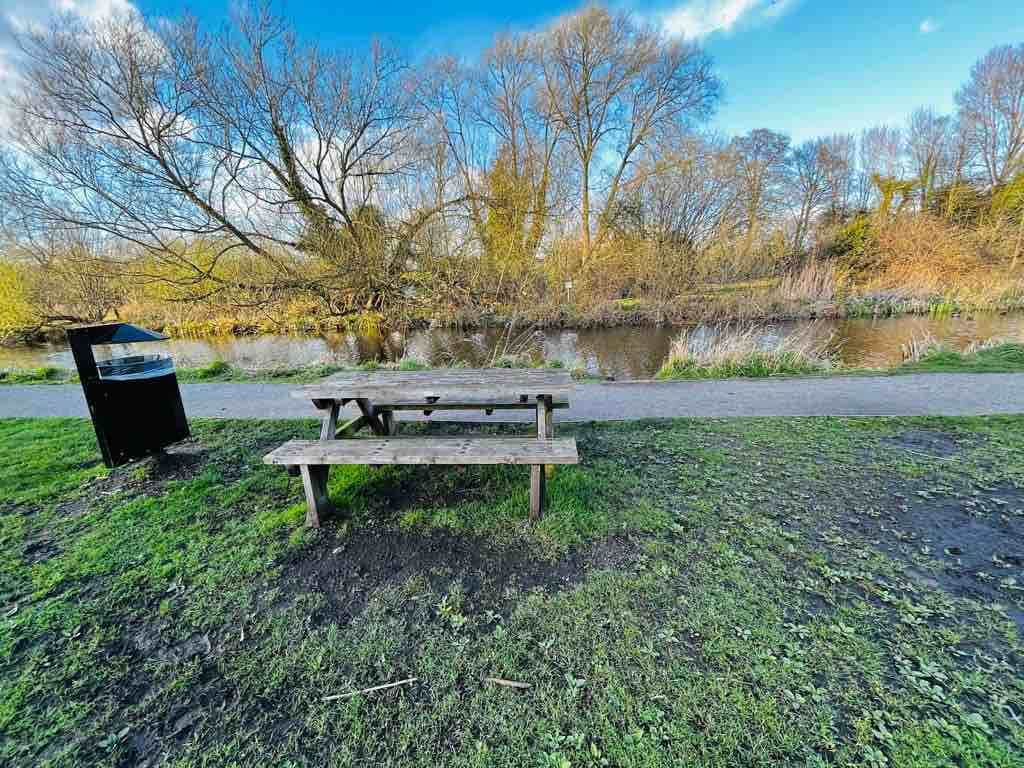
{"points": [[916, 395]]}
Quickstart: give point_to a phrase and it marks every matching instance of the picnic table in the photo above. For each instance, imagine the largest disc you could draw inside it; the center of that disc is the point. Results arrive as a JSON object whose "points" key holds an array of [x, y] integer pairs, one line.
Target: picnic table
{"points": [[379, 394]]}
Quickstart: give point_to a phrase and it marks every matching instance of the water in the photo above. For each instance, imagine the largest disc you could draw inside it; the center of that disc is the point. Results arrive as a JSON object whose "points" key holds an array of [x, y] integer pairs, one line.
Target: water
{"points": [[624, 353]]}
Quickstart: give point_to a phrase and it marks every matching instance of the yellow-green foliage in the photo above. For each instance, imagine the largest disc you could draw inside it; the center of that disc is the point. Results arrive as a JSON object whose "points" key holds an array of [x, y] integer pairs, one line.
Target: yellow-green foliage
{"points": [[1008, 200], [16, 311], [852, 245], [505, 230]]}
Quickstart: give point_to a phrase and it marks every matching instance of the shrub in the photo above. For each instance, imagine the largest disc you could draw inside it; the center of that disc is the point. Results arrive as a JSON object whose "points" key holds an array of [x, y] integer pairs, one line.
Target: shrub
{"points": [[852, 246], [212, 370], [17, 315], [44, 373], [743, 352]]}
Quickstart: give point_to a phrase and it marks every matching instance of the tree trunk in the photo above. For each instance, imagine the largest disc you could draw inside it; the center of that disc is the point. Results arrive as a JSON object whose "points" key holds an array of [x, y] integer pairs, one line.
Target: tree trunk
{"points": [[585, 209]]}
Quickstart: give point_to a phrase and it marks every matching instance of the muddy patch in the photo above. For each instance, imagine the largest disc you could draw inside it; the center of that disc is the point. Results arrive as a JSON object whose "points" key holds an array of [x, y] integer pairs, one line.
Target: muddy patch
{"points": [[975, 542], [489, 577], [930, 442], [146, 477], [149, 641], [41, 549]]}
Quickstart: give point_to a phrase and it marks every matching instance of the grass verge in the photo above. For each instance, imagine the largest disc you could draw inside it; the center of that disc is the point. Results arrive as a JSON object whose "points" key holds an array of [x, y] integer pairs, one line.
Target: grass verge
{"points": [[220, 371], [754, 592], [999, 357]]}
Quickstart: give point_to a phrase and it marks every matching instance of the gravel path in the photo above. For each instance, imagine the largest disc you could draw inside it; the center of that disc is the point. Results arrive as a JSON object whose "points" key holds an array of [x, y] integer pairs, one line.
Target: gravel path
{"points": [[913, 395]]}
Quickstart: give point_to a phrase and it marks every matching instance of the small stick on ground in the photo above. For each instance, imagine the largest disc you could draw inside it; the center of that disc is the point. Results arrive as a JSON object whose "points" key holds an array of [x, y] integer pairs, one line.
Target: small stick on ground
{"points": [[506, 683], [337, 696]]}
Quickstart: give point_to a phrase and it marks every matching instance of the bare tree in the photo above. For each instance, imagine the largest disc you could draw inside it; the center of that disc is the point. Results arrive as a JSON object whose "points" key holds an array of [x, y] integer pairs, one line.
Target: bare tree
{"points": [[687, 189], [490, 110], [991, 108], [760, 158], [928, 149], [881, 152], [246, 141], [808, 184], [610, 86], [839, 166]]}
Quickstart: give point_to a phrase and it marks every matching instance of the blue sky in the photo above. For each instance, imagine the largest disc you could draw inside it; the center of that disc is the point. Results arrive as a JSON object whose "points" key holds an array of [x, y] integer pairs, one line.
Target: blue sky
{"points": [[806, 67]]}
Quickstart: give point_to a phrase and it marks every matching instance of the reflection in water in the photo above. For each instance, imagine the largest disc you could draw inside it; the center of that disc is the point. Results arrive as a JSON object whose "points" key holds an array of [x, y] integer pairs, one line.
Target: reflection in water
{"points": [[625, 353]]}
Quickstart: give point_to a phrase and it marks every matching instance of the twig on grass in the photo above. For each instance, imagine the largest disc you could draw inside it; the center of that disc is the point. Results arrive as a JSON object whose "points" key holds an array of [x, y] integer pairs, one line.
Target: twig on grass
{"points": [[506, 683], [337, 696]]}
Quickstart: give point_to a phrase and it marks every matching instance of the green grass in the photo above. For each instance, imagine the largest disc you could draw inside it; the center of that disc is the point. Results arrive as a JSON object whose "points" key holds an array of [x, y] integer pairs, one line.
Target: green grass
{"points": [[221, 371], [46, 374], [700, 592], [1001, 358], [756, 365]]}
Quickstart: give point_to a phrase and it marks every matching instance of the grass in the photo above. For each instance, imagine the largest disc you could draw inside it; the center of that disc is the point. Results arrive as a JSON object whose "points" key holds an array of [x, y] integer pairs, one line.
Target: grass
{"points": [[754, 592], [46, 374], [929, 356], [221, 371], [738, 352]]}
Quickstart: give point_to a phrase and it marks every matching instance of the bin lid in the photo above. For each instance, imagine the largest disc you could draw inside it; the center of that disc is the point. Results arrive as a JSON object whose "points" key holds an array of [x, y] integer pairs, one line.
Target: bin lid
{"points": [[119, 333]]}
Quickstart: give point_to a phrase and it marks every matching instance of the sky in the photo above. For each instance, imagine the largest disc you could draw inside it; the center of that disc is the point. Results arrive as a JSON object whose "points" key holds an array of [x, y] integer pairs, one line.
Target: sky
{"points": [[805, 67]]}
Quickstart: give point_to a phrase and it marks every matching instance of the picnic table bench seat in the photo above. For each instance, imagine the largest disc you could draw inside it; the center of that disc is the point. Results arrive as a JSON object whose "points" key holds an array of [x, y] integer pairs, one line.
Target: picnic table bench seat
{"points": [[313, 458]]}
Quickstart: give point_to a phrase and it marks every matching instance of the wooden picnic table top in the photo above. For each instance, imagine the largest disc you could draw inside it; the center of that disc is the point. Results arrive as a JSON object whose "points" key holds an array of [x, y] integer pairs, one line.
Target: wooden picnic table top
{"points": [[480, 384]]}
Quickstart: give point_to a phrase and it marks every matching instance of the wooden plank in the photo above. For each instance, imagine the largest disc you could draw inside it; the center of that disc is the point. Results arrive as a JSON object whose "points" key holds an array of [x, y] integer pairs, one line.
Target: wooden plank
{"points": [[537, 483], [493, 391], [452, 375], [546, 427], [350, 427], [543, 413], [450, 384], [329, 428], [465, 405], [314, 483], [456, 451], [370, 414]]}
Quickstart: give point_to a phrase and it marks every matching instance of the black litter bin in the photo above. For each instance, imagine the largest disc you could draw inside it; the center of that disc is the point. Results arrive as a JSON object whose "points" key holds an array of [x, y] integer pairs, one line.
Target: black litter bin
{"points": [[134, 401]]}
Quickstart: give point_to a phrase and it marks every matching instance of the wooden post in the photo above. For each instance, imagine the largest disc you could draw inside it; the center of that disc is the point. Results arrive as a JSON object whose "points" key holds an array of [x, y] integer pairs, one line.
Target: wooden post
{"points": [[549, 433], [329, 428], [543, 417], [546, 426], [371, 416], [539, 472], [314, 483], [537, 483]]}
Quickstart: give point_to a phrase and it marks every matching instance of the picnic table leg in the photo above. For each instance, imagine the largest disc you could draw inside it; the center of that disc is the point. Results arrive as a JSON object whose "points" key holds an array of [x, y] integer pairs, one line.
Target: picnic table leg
{"points": [[549, 433], [539, 472], [546, 430], [537, 483], [314, 483], [371, 415], [329, 428], [387, 419]]}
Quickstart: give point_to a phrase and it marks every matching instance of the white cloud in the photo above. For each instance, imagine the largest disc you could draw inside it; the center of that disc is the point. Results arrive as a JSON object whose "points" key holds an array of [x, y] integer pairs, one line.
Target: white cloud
{"points": [[696, 19], [928, 26], [17, 16]]}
